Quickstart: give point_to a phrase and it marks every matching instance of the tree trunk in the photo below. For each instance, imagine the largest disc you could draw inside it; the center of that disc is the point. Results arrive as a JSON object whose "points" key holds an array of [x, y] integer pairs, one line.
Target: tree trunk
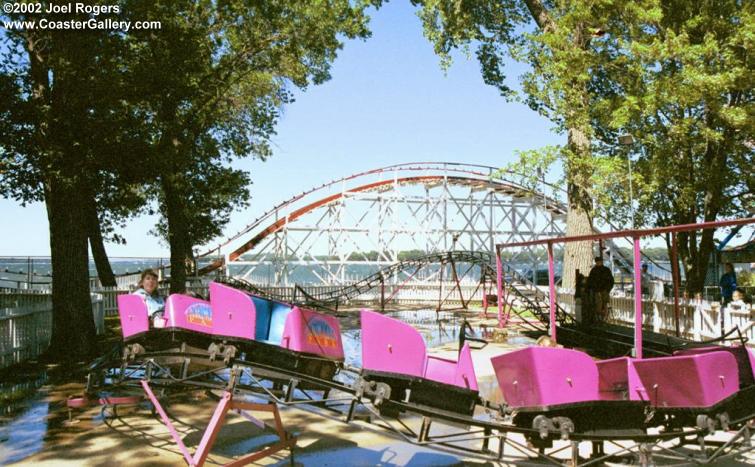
{"points": [[101, 261], [577, 255], [578, 218], [715, 161], [73, 331], [175, 214], [189, 259], [699, 264]]}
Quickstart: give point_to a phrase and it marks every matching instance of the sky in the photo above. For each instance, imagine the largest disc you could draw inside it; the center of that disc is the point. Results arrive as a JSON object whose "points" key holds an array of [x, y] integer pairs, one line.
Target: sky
{"points": [[388, 102]]}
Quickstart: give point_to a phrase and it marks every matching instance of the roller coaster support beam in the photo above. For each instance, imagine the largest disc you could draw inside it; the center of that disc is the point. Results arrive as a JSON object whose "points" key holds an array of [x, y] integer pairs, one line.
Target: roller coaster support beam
{"points": [[552, 291], [286, 441], [637, 299], [458, 283], [382, 293], [675, 279], [499, 286]]}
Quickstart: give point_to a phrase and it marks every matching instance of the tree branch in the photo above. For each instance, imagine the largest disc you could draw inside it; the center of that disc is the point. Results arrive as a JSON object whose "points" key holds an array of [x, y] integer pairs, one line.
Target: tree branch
{"points": [[540, 15]]}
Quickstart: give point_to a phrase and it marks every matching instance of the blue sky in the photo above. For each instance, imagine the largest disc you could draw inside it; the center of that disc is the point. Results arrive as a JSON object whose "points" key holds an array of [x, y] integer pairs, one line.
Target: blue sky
{"points": [[388, 102]]}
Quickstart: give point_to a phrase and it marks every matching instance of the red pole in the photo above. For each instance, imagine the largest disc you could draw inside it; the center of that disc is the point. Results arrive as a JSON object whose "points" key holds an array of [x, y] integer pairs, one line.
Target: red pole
{"points": [[552, 288], [499, 284], [637, 300], [675, 278]]}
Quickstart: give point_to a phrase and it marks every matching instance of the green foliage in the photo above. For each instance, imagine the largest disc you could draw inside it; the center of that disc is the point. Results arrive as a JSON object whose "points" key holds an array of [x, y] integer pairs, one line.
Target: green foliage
{"points": [[213, 193], [533, 166], [112, 117], [212, 83], [746, 279], [568, 58], [688, 99], [77, 138], [684, 89], [490, 25], [676, 74]]}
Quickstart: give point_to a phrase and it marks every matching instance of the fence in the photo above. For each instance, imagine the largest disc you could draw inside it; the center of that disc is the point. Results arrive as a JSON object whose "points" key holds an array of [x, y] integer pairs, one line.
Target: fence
{"points": [[698, 319], [26, 324], [110, 302], [26, 315], [713, 293], [446, 293], [17, 298]]}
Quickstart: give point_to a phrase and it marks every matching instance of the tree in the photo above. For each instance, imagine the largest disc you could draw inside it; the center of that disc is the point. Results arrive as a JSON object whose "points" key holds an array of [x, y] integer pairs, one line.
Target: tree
{"points": [[89, 116], [211, 83], [214, 192], [682, 84], [674, 74], [557, 41], [45, 119], [63, 130]]}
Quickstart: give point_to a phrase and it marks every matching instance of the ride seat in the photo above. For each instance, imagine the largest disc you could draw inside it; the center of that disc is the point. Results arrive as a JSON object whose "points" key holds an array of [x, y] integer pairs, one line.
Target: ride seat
{"points": [[689, 381], [232, 312], [133, 314], [544, 376], [618, 380], [391, 346], [262, 318], [278, 315], [440, 369], [455, 372], [745, 361], [270, 320]]}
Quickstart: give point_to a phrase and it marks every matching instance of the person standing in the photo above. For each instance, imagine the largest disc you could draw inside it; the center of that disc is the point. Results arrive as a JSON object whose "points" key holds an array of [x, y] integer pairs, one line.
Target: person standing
{"points": [[728, 283], [600, 282], [645, 280]]}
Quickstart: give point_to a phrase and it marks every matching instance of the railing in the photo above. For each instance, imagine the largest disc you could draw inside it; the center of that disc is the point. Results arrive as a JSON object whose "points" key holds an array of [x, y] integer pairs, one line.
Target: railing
{"points": [[698, 319], [17, 298], [110, 294], [394, 294], [713, 292], [26, 324]]}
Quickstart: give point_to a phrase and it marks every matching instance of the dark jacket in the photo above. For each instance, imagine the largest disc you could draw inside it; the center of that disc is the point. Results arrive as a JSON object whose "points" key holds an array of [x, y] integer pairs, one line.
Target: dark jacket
{"points": [[728, 284], [600, 279]]}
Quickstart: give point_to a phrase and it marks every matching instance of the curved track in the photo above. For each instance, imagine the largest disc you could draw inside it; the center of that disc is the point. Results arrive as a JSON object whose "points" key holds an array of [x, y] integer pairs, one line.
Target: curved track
{"points": [[427, 173], [486, 434]]}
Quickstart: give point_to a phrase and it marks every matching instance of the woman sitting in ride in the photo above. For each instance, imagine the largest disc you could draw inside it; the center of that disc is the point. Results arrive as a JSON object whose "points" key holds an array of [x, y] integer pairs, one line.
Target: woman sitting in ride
{"points": [[148, 291]]}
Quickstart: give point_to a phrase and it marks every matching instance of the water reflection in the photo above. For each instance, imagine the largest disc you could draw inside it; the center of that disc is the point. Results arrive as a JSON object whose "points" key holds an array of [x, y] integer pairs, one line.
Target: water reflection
{"points": [[23, 423]]}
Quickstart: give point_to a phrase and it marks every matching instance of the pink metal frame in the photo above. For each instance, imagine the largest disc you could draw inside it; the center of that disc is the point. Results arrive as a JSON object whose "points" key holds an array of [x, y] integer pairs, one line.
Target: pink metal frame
{"points": [[218, 417], [636, 235], [551, 289]]}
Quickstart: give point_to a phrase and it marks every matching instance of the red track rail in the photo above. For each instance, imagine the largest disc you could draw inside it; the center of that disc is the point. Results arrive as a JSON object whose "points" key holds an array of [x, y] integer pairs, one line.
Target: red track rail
{"points": [[298, 213]]}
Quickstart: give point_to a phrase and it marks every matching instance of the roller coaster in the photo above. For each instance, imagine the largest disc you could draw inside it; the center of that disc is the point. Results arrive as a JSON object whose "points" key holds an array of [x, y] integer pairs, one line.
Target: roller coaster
{"points": [[332, 233], [694, 406], [526, 300]]}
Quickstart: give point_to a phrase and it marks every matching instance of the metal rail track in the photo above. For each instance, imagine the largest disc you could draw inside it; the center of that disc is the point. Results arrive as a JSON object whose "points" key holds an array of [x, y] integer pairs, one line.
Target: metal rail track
{"points": [[354, 396]]}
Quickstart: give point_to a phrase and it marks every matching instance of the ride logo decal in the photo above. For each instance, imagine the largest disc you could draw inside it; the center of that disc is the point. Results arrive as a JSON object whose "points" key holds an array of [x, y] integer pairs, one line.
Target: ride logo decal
{"points": [[321, 333], [199, 314]]}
